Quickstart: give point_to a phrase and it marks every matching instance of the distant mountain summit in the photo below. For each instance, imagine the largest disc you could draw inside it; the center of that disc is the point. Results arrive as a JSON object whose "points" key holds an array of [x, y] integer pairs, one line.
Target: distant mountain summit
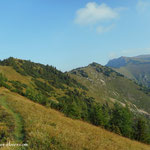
{"points": [[117, 63], [123, 61], [137, 68]]}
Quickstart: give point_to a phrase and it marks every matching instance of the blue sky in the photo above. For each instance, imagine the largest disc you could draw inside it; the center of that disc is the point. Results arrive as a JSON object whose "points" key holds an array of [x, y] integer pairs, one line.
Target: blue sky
{"points": [[69, 34]]}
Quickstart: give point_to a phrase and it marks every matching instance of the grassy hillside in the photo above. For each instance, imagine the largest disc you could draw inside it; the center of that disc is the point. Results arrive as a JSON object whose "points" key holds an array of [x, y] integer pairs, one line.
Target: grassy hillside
{"points": [[106, 85], [137, 68], [86, 94], [45, 129], [37, 81]]}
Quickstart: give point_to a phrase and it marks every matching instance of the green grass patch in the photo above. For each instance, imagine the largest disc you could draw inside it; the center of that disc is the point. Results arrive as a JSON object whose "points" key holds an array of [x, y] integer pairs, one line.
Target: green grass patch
{"points": [[19, 126]]}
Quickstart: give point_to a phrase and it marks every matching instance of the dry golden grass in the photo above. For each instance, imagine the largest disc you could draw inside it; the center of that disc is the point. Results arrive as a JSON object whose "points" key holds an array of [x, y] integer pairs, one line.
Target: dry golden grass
{"points": [[48, 129], [11, 74]]}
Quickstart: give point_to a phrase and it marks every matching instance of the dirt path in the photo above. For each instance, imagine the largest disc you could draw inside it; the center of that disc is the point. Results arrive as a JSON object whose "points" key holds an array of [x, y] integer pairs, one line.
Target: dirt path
{"points": [[19, 125]]}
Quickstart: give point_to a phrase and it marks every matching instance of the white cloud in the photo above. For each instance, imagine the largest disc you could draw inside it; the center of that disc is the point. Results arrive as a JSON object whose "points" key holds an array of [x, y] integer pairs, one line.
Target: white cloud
{"points": [[97, 15], [143, 5], [93, 13]]}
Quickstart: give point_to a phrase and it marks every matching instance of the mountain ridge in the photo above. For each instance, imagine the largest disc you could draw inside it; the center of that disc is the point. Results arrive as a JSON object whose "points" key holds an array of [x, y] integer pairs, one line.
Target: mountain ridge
{"points": [[104, 80], [136, 68]]}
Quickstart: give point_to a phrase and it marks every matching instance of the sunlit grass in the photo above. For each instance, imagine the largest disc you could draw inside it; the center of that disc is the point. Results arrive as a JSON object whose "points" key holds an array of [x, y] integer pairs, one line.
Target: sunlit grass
{"points": [[48, 129], [11, 74]]}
